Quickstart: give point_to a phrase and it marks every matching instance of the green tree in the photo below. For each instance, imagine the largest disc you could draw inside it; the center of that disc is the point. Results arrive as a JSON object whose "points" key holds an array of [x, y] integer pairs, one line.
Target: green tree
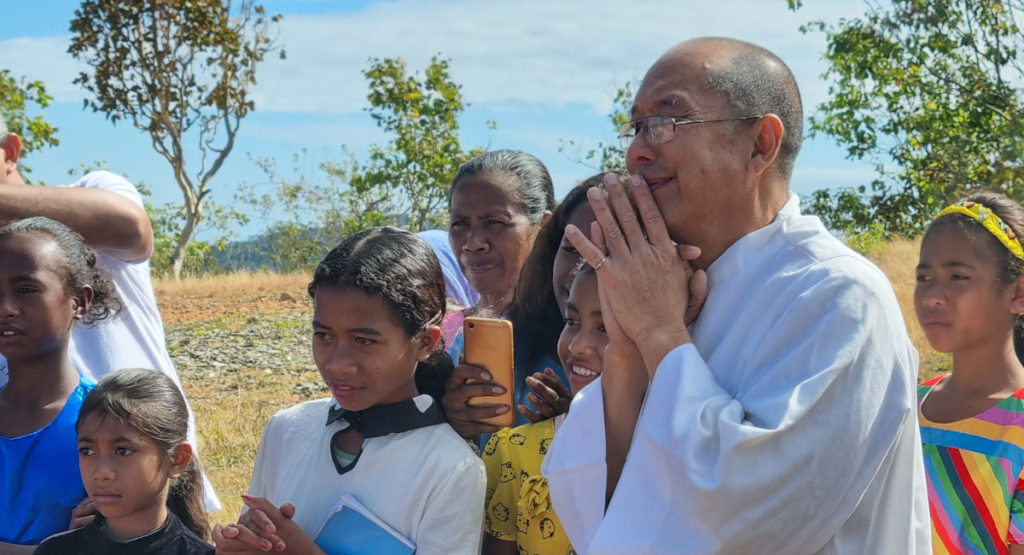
{"points": [[407, 181], [929, 91], [605, 156], [15, 98], [166, 220], [182, 71], [312, 215], [403, 183]]}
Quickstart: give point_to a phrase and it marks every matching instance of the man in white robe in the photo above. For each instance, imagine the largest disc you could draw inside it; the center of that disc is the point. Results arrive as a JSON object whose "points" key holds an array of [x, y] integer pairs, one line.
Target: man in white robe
{"points": [[783, 419]]}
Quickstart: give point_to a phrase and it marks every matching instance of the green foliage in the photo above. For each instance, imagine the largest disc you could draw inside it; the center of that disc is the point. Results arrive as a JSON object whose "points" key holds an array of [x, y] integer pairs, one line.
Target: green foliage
{"points": [[180, 70], [166, 221], [870, 241], [929, 90], [605, 157], [407, 181], [404, 183], [15, 98], [312, 217]]}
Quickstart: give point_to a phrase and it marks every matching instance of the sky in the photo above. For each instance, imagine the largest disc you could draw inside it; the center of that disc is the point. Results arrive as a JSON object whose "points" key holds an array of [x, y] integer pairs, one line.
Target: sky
{"points": [[545, 70]]}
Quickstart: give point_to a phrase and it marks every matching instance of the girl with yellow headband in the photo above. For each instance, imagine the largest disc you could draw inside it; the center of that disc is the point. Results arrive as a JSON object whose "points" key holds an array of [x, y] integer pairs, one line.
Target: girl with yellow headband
{"points": [[968, 299]]}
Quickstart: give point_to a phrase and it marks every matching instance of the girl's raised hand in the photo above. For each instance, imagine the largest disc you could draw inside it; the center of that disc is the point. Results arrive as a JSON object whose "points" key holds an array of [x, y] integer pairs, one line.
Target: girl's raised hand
{"points": [[549, 395], [82, 514]]}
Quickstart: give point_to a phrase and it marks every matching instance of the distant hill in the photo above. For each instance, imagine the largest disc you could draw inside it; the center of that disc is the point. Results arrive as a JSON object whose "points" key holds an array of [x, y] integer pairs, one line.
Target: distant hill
{"points": [[266, 251]]}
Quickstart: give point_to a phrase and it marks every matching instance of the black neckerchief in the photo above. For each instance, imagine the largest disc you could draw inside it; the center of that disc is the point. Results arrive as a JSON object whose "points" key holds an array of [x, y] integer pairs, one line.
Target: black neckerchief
{"points": [[381, 420]]}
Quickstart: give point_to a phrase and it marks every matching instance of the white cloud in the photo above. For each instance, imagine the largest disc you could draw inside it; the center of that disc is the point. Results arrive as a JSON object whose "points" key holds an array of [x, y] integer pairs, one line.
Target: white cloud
{"points": [[524, 55], [46, 59]]}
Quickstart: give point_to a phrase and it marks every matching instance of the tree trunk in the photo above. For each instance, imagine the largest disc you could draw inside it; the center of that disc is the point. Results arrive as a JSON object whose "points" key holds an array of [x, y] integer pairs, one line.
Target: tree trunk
{"points": [[184, 238]]}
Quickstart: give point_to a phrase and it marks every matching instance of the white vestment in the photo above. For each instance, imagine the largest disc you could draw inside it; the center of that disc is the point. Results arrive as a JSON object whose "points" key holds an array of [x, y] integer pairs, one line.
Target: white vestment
{"points": [[135, 337], [787, 426]]}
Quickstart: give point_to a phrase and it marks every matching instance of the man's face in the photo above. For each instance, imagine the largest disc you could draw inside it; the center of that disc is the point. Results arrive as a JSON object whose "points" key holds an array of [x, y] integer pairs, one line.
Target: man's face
{"points": [[695, 177]]}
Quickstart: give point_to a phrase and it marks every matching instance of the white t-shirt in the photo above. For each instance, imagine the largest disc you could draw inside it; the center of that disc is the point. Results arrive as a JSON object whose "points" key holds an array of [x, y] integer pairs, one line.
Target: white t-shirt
{"points": [[133, 339], [787, 426], [425, 483]]}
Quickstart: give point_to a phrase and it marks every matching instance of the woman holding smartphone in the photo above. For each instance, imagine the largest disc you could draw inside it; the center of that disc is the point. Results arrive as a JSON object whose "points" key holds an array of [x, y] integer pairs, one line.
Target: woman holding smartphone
{"points": [[498, 203]]}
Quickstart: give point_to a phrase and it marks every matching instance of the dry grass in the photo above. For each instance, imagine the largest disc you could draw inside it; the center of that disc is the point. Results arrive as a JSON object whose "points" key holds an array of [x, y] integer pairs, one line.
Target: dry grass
{"points": [[237, 294], [231, 412], [232, 408]]}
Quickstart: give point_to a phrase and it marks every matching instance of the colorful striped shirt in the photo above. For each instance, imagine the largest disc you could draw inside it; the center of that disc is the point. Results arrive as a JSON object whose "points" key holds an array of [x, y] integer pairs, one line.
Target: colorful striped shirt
{"points": [[975, 486]]}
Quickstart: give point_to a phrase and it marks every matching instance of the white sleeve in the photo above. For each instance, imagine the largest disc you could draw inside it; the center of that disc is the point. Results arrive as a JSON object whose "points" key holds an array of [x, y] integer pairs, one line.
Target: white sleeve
{"points": [[266, 460], [778, 468], [575, 467], [454, 516], [112, 182]]}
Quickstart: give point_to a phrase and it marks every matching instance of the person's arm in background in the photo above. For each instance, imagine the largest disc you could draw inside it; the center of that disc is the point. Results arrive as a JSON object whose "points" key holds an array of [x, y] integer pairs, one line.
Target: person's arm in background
{"points": [[107, 220]]}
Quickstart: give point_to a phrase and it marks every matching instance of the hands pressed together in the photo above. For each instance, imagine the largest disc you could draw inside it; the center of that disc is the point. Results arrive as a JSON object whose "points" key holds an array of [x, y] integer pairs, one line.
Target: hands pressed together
{"points": [[264, 527], [644, 277]]}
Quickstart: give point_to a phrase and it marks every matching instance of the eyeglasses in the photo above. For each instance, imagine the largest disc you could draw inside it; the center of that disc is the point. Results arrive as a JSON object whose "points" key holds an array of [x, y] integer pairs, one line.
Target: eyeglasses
{"points": [[661, 129]]}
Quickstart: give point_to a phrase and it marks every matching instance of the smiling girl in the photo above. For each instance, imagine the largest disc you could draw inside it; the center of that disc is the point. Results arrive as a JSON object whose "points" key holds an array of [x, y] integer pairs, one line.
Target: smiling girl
{"points": [[381, 438], [968, 299], [48, 283], [519, 517]]}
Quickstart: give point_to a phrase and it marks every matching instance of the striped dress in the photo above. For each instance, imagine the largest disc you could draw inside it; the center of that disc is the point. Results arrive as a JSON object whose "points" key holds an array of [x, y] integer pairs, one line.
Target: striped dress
{"points": [[975, 486]]}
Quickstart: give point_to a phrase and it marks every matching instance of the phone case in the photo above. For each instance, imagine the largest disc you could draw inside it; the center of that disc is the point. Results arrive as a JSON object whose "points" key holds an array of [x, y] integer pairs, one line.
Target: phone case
{"points": [[488, 344]]}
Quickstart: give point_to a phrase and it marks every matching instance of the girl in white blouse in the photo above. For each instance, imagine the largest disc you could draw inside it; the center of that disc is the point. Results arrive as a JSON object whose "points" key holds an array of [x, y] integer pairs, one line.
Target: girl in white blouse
{"points": [[382, 438]]}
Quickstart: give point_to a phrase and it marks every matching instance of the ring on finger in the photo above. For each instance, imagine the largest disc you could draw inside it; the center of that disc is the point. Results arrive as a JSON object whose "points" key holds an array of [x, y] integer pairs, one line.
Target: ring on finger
{"points": [[600, 263]]}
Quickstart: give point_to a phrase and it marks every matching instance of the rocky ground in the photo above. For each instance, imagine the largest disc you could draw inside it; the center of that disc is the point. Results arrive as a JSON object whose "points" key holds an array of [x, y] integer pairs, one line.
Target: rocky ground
{"points": [[241, 347]]}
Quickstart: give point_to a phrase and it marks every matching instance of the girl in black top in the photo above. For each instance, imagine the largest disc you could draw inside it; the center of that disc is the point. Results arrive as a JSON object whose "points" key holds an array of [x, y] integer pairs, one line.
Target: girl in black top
{"points": [[139, 471]]}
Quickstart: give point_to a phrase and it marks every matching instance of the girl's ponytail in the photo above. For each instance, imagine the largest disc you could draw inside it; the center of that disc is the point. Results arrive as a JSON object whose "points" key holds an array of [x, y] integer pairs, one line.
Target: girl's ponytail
{"points": [[185, 499], [433, 373]]}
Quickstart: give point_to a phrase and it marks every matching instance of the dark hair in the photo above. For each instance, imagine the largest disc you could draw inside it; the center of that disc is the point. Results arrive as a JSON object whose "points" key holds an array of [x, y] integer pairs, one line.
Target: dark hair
{"points": [[1010, 266], [534, 191], [150, 402], [79, 264], [404, 271], [534, 310], [757, 82]]}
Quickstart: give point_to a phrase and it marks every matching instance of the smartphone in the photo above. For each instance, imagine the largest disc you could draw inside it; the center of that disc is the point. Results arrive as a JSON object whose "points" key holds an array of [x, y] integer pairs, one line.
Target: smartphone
{"points": [[488, 344]]}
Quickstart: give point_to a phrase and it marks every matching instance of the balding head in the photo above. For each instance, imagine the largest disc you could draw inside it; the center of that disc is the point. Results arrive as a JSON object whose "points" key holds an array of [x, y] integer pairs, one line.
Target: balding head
{"points": [[750, 81]]}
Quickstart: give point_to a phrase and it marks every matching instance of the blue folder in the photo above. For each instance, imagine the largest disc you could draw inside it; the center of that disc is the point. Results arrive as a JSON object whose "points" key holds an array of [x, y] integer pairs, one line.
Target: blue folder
{"points": [[349, 532]]}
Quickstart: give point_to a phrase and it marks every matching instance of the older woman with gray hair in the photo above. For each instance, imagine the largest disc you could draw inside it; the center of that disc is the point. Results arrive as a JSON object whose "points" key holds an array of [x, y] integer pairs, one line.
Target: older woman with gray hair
{"points": [[498, 202]]}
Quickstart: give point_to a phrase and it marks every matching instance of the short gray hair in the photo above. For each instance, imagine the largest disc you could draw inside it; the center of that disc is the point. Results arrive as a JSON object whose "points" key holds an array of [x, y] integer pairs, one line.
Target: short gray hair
{"points": [[3, 129]]}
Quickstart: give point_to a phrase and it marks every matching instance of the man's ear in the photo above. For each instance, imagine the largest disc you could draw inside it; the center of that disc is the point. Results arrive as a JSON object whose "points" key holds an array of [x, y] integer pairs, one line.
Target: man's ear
{"points": [[180, 457], [767, 135], [12, 150]]}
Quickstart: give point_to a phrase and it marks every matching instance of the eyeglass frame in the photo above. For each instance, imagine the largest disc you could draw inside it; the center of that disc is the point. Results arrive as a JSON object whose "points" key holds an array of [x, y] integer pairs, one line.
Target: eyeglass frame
{"points": [[628, 131]]}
